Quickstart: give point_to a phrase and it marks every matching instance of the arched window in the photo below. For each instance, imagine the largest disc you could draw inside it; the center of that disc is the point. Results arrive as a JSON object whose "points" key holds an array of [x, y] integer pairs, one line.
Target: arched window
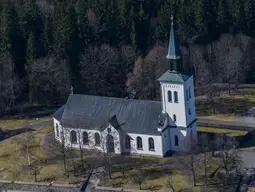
{"points": [[174, 118], [189, 93], [169, 95], [97, 139], [139, 143], [127, 142], [57, 130], [175, 97], [151, 144], [176, 140], [85, 137], [189, 111], [73, 137]]}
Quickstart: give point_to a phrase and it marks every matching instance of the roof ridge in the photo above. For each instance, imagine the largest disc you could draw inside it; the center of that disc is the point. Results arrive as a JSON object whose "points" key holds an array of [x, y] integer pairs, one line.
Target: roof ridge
{"points": [[120, 98]]}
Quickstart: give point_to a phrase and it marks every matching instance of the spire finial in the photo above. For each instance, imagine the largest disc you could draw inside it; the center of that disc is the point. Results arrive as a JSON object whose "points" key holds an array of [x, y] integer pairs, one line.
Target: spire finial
{"points": [[71, 90], [172, 20]]}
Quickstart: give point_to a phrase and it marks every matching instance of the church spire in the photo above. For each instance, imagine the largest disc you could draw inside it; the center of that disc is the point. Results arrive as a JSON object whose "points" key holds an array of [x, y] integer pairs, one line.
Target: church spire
{"points": [[174, 51]]}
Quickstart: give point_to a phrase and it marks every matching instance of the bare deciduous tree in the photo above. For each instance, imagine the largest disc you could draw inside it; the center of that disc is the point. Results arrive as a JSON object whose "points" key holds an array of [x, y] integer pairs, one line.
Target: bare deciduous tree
{"points": [[146, 71], [230, 158], [34, 170], [139, 177], [170, 182], [191, 160], [10, 85], [109, 144], [23, 141], [49, 78], [231, 54], [102, 71], [204, 148], [63, 148]]}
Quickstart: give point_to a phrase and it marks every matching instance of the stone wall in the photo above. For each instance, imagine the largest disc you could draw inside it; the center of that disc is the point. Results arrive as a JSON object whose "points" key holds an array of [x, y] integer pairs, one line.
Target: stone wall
{"points": [[108, 189], [51, 187]]}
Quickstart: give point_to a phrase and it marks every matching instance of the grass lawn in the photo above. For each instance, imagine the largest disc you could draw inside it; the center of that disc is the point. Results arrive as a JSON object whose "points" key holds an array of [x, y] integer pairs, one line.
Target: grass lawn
{"points": [[247, 148], [226, 108], [45, 129], [9, 124], [14, 164], [36, 150], [230, 132], [223, 117], [157, 177]]}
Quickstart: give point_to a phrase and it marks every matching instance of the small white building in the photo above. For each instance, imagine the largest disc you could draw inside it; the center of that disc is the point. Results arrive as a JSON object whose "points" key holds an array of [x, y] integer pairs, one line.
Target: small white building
{"points": [[134, 126]]}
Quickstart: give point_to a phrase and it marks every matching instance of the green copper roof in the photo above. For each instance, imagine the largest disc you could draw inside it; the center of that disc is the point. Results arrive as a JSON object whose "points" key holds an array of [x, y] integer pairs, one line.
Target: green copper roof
{"points": [[173, 77], [174, 50]]}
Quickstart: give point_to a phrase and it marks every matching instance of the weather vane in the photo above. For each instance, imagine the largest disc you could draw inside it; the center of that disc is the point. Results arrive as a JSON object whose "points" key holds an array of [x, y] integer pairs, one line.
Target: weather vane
{"points": [[172, 19]]}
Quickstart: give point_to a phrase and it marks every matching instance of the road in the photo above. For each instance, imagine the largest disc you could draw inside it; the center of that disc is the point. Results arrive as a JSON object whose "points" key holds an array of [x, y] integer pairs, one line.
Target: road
{"points": [[39, 124], [248, 117]]}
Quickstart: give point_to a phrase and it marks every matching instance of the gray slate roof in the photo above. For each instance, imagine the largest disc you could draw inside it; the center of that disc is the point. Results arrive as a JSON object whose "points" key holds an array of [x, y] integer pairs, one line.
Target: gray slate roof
{"points": [[58, 114], [92, 112]]}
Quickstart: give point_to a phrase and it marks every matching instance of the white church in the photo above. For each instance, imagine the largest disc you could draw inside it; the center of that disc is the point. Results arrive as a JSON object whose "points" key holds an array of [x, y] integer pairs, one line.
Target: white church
{"points": [[121, 125]]}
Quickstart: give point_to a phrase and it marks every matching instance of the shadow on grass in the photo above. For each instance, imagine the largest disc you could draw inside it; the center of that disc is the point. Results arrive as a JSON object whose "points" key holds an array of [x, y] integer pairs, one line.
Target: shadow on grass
{"points": [[236, 106], [247, 140]]}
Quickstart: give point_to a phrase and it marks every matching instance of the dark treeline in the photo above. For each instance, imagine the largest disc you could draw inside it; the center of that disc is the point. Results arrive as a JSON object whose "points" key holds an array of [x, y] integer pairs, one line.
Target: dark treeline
{"points": [[114, 47]]}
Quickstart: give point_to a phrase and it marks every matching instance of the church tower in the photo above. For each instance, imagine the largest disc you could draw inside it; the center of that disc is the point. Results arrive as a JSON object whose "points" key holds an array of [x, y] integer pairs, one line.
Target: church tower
{"points": [[178, 99]]}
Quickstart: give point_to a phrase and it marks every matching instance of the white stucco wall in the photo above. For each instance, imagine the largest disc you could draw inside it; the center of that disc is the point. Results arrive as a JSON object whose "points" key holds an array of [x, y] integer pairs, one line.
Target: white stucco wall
{"points": [[145, 140], [166, 141], [91, 137], [190, 103], [173, 108], [116, 137], [56, 122]]}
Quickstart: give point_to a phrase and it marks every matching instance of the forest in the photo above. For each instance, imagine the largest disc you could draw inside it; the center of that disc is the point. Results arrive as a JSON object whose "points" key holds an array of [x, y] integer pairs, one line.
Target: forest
{"points": [[118, 47]]}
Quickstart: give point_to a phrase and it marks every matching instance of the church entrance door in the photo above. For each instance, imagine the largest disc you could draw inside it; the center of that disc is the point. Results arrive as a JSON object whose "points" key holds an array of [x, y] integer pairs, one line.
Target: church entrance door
{"points": [[110, 143]]}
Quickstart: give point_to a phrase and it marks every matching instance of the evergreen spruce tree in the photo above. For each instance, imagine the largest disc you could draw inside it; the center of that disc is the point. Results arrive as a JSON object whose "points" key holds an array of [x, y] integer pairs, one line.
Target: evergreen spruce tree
{"points": [[133, 29], [251, 17], [198, 17], [31, 50], [47, 35], [5, 31]]}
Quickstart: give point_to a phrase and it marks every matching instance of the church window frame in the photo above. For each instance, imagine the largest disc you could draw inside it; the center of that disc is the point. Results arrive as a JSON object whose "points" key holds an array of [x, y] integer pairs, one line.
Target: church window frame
{"points": [[169, 96], [139, 143], [73, 137], [176, 100], [176, 140], [174, 118], [151, 144], [127, 142], [85, 138], [97, 139]]}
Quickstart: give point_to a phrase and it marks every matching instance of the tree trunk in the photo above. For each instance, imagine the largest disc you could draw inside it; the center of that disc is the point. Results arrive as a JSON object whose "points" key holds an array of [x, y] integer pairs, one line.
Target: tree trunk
{"points": [[205, 166], [35, 177], [229, 88], [109, 171], [81, 156], [123, 170], [194, 177], [64, 161]]}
